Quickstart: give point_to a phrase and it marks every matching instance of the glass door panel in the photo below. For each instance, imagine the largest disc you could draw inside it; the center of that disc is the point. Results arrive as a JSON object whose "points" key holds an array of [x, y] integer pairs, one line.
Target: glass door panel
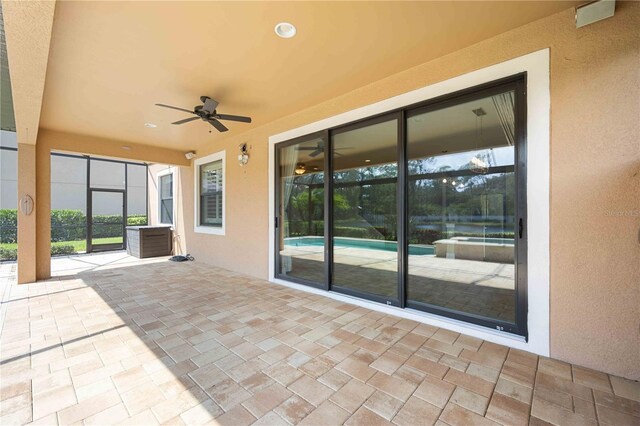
{"points": [[300, 234], [462, 208], [107, 220], [364, 243]]}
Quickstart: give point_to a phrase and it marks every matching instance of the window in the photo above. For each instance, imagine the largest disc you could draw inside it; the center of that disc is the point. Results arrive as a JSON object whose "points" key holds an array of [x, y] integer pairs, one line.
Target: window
{"points": [[210, 203], [165, 197]]}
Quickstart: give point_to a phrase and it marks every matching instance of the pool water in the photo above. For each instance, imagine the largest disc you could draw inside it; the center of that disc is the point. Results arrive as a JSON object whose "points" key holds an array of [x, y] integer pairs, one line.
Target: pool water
{"points": [[358, 243]]}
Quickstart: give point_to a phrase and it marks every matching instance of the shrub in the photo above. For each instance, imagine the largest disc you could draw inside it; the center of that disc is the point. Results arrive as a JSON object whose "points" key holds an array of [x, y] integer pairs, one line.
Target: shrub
{"points": [[8, 226], [137, 220], [62, 249], [68, 225], [424, 236], [8, 253], [352, 232]]}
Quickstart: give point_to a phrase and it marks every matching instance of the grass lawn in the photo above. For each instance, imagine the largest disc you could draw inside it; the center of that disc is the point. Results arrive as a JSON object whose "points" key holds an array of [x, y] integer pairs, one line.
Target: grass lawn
{"points": [[78, 246]]}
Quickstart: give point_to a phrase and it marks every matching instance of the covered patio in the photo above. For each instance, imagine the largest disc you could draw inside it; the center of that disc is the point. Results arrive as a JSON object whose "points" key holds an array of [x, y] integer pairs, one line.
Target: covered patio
{"points": [[401, 212], [114, 339]]}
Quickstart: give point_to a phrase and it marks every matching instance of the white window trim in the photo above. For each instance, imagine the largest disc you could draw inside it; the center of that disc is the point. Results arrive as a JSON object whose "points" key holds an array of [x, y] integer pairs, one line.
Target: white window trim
{"points": [[536, 65], [196, 199], [161, 173]]}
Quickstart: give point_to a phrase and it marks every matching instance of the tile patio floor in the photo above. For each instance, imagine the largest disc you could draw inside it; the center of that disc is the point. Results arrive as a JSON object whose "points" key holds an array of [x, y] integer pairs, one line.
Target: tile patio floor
{"points": [[113, 339]]}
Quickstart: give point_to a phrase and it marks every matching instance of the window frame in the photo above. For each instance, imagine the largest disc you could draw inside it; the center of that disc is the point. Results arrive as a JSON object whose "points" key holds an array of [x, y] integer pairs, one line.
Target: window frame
{"points": [[197, 226], [159, 176]]}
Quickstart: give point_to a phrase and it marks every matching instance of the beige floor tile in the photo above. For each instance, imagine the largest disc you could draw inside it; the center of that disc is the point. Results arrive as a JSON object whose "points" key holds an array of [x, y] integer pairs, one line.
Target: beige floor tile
{"points": [[626, 388], [89, 407], [508, 411], [455, 415], [311, 390], [267, 399], [238, 416], [334, 379], [352, 395], [326, 414], [592, 379], [470, 400], [469, 382], [383, 404], [514, 390], [556, 415], [53, 401], [294, 409], [393, 386], [202, 413], [364, 416], [555, 368], [617, 403], [163, 354], [416, 411], [112, 415], [434, 391]]}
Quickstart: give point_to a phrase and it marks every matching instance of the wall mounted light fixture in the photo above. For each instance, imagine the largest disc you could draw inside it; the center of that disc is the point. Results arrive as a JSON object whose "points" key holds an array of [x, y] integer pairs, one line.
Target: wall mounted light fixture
{"points": [[243, 157]]}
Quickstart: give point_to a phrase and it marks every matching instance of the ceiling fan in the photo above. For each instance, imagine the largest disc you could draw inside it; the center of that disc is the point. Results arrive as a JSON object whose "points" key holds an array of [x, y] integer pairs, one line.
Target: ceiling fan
{"points": [[319, 149], [207, 112]]}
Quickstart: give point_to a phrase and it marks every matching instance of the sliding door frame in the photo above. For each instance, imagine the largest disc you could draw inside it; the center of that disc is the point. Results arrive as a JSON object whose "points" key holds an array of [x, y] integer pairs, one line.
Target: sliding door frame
{"points": [[378, 119], [279, 219], [517, 83]]}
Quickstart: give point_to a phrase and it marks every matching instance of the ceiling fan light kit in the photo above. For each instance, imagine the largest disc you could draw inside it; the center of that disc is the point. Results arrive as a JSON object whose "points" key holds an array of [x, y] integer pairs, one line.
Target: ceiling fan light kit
{"points": [[207, 112]]}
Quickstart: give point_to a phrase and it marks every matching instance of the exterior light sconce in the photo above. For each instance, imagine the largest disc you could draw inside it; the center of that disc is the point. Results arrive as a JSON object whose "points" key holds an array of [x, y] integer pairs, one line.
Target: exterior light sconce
{"points": [[243, 157]]}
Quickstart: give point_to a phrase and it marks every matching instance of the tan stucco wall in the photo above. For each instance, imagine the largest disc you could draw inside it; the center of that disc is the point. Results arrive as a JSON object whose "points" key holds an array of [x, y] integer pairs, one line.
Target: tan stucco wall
{"points": [[26, 224], [183, 181], [595, 177]]}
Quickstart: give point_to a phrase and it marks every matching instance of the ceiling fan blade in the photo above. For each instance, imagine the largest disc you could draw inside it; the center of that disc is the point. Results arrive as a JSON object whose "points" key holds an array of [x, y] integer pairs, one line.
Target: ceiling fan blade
{"points": [[172, 107], [210, 105], [186, 120], [218, 125], [234, 118], [316, 153], [307, 148]]}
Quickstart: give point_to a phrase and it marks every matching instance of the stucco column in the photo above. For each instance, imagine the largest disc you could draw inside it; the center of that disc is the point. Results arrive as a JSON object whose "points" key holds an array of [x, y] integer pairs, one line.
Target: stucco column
{"points": [[43, 215], [26, 223]]}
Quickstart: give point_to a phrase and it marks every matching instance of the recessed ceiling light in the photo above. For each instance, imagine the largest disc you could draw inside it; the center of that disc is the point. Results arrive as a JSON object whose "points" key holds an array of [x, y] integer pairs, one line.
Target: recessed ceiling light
{"points": [[367, 161], [150, 125], [126, 148], [285, 30]]}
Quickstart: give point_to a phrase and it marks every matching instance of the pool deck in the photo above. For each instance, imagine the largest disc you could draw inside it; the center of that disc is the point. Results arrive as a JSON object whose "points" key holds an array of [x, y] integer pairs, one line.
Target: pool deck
{"points": [[483, 288]]}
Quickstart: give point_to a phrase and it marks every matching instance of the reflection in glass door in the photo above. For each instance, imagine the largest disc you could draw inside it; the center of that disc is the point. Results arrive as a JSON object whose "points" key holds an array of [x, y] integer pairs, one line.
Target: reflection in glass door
{"points": [[300, 203], [462, 205], [425, 207], [106, 220], [365, 240]]}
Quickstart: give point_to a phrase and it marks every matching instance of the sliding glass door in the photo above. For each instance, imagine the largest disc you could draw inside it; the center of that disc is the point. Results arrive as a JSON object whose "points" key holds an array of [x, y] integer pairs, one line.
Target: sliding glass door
{"points": [[300, 192], [364, 210], [461, 202], [421, 208]]}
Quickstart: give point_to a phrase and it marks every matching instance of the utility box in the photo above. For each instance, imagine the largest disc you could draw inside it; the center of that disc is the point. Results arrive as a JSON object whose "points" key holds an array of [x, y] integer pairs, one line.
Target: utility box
{"points": [[148, 241]]}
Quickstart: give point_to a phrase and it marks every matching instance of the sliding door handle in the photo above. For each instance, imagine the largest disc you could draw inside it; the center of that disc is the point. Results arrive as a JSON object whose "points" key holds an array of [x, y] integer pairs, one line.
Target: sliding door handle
{"points": [[520, 228]]}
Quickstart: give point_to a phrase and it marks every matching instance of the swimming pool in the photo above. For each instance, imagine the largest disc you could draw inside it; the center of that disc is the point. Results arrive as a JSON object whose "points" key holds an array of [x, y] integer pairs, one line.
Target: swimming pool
{"points": [[358, 243]]}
